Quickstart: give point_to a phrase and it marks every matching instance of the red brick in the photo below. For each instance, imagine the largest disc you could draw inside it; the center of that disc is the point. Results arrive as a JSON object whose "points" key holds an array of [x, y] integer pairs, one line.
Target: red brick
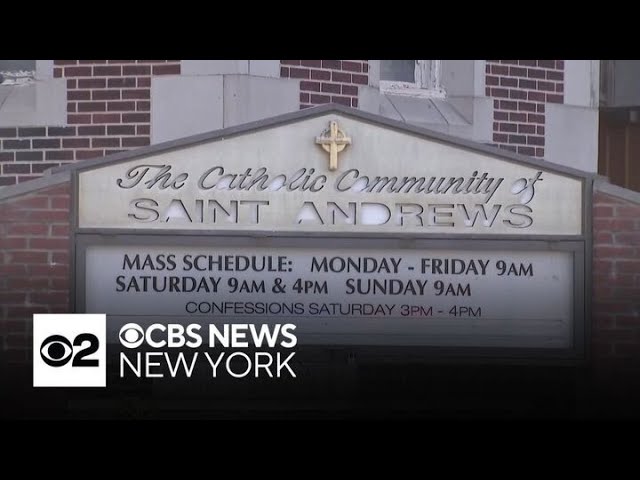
{"points": [[559, 88], [48, 270], [46, 143], [135, 141], [72, 83], [535, 140], [508, 105], [540, 130], [517, 72], [27, 229], [351, 66], [290, 62], [13, 298], [521, 139], [8, 132], [28, 257], [60, 230], [61, 131], [31, 156], [491, 80], [142, 94], [60, 203], [603, 238], [349, 90], [560, 64], [508, 82], [5, 181], [500, 137], [284, 72], [122, 106], [144, 82], [602, 211], [320, 75], [628, 238], [46, 215], [65, 62], [555, 76], [16, 243], [134, 70], [7, 156], [72, 107], [136, 118], [331, 88], [341, 100], [106, 118], [107, 71], [58, 155], [121, 130], [60, 283], [32, 132], [628, 211], [526, 150], [613, 251], [627, 266], [359, 79], [304, 97], [143, 130], [122, 82], [517, 94], [27, 283], [8, 168], [535, 118], [86, 154], [76, 119], [103, 94], [530, 84], [332, 64], [91, 62], [48, 243], [300, 73], [77, 71], [611, 224], [536, 96], [16, 144], [75, 142], [310, 63], [517, 117], [540, 108], [499, 70], [317, 99], [105, 142], [341, 77], [500, 92], [92, 107], [47, 298], [310, 86], [61, 257], [92, 83], [166, 69], [508, 127]]}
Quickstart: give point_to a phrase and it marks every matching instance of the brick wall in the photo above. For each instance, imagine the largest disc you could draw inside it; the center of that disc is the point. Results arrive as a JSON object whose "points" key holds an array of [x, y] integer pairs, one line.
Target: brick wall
{"points": [[616, 279], [108, 110], [521, 89], [327, 81], [34, 264]]}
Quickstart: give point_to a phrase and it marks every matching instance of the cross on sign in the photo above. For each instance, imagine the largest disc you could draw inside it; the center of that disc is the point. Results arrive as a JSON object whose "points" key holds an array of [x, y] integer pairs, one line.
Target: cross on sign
{"points": [[334, 143]]}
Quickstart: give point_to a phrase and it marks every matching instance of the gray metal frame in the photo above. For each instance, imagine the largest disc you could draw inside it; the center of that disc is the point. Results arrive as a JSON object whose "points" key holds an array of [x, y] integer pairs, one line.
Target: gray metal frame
{"points": [[580, 245]]}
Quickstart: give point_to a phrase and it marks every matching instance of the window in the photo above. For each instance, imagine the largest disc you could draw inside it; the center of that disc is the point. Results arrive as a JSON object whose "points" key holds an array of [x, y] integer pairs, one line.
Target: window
{"points": [[416, 78], [17, 72]]}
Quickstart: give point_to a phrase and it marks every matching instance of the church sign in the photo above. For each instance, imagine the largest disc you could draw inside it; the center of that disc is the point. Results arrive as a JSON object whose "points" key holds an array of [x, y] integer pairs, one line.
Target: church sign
{"points": [[359, 230]]}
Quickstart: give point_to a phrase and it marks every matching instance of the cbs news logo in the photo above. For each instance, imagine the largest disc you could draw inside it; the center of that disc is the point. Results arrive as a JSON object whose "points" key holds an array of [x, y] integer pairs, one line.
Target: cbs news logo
{"points": [[69, 350]]}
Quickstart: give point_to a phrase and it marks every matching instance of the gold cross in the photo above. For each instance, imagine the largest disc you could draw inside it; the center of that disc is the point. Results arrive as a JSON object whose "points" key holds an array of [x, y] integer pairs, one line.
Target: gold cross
{"points": [[334, 143]]}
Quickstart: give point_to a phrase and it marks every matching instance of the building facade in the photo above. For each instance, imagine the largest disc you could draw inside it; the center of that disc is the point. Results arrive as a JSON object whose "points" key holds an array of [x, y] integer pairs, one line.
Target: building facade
{"points": [[59, 112]]}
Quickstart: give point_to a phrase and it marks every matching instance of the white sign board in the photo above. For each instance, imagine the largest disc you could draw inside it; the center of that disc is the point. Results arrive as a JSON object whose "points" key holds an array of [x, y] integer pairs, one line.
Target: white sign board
{"points": [[281, 179], [479, 298]]}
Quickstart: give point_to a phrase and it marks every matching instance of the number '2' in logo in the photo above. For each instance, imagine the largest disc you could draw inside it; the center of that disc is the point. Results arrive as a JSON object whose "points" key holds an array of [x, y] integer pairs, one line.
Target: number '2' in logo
{"points": [[56, 350]]}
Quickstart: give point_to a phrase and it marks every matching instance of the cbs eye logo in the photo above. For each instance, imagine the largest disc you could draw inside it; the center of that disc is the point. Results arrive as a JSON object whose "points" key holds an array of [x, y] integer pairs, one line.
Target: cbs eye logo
{"points": [[56, 351], [131, 335], [69, 350]]}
